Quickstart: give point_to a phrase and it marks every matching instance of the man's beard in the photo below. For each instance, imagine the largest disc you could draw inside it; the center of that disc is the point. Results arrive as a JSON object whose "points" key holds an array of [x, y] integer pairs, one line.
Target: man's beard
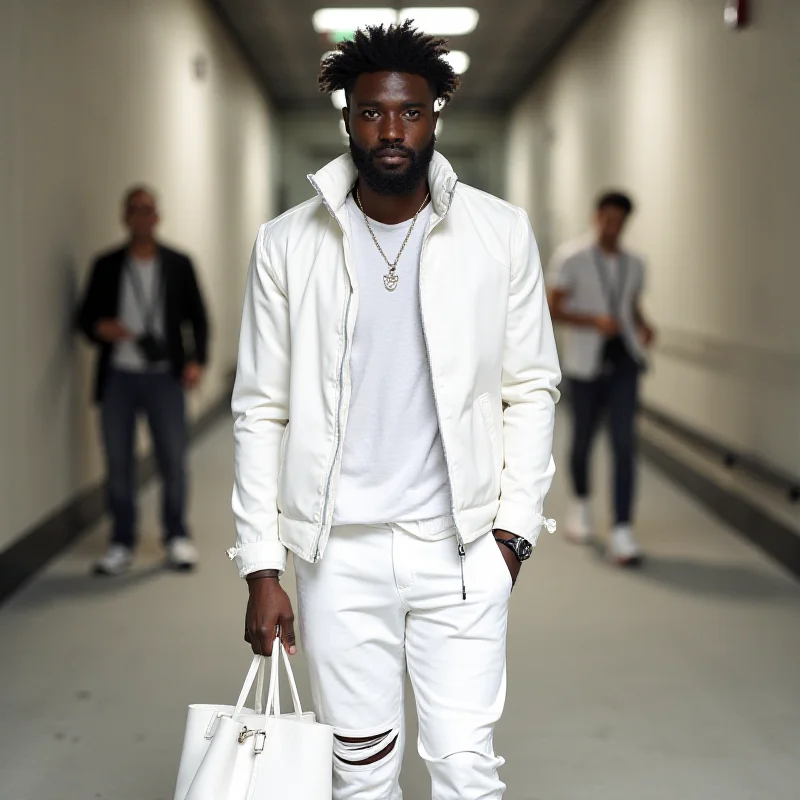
{"points": [[393, 183]]}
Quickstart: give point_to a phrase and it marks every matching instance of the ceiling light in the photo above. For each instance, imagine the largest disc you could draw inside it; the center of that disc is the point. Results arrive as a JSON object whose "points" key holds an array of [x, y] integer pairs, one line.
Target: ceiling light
{"points": [[339, 99], [442, 21], [344, 20], [458, 60]]}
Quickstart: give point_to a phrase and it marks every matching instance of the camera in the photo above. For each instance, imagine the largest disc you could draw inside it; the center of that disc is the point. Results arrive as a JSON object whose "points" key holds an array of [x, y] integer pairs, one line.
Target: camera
{"points": [[152, 348]]}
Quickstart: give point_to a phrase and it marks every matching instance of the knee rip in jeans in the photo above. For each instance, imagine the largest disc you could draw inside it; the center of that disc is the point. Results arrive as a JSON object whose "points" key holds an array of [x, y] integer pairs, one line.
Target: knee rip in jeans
{"points": [[363, 751]]}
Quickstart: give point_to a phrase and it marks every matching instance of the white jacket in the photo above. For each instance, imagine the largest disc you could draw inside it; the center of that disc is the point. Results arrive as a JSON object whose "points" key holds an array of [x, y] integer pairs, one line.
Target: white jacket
{"points": [[491, 350]]}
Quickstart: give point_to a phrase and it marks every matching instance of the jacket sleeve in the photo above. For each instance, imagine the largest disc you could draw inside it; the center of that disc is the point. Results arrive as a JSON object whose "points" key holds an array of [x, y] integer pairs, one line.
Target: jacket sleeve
{"points": [[531, 375], [88, 315], [198, 317], [260, 410]]}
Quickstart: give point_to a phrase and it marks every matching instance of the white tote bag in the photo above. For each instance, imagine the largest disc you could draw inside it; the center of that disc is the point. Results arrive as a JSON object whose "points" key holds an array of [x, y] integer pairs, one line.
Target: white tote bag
{"points": [[235, 753]]}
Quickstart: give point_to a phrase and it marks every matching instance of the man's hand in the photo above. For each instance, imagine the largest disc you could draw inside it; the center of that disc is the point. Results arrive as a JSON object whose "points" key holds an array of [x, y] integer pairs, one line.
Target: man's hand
{"points": [[647, 333], [192, 375], [111, 331], [268, 609], [513, 564], [608, 326]]}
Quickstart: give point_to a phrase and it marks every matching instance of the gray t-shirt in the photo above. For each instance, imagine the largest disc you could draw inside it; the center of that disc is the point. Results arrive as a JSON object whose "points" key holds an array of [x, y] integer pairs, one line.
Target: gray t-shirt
{"points": [[134, 309], [579, 270]]}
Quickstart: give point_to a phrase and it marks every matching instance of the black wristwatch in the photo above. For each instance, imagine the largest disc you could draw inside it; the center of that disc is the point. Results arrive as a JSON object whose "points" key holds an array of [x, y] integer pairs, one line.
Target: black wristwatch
{"points": [[520, 547]]}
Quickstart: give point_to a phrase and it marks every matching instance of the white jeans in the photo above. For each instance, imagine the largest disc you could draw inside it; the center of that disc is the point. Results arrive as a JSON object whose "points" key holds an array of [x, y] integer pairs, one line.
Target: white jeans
{"points": [[383, 600]]}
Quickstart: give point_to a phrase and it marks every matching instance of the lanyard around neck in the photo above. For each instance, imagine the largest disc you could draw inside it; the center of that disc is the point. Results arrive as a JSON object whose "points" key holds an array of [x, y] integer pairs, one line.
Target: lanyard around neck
{"points": [[612, 294], [148, 311]]}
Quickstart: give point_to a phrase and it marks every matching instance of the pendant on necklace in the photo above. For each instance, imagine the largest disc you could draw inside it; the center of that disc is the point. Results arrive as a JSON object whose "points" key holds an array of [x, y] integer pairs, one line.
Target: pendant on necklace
{"points": [[390, 280]]}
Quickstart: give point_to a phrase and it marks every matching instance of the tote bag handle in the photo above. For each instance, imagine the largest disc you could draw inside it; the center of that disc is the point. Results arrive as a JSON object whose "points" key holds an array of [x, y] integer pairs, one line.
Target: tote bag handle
{"points": [[257, 671]]}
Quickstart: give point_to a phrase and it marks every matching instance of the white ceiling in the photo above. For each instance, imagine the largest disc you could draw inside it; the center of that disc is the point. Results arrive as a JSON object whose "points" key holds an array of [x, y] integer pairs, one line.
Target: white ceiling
{"points": [[514, 41]]}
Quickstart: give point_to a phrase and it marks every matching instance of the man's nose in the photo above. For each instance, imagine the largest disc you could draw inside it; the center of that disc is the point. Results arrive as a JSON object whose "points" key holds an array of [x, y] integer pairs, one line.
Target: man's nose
{"points": [[391, 129]]}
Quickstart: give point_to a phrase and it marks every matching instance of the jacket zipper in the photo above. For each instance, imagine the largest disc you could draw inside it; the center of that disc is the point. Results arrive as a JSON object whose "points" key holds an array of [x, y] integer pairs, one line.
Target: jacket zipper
{"points": [[462, 554], [338, 438], [324, 527]]}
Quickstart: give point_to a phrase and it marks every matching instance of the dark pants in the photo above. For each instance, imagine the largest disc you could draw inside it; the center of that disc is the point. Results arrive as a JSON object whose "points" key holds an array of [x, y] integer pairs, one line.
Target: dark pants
{"points": [[617, 393], [160, 396]]}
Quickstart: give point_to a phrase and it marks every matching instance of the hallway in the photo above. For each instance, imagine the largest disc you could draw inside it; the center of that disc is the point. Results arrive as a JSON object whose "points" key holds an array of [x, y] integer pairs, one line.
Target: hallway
{"points": [[679, 681]]}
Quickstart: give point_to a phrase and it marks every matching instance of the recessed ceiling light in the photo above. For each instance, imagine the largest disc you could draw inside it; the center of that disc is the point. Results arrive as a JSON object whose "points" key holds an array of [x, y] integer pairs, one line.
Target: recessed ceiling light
{"points": [[344, 20], [458, 60], [454, 21], [339, 99], [448, 21]]}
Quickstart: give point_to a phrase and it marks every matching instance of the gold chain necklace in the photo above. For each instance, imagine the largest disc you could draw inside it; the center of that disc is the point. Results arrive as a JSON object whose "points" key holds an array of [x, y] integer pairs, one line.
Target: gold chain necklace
{"points": [[391, 279]]}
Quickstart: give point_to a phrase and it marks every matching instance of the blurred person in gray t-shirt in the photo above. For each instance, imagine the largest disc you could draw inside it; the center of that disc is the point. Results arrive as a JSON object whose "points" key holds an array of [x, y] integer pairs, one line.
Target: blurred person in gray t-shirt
{"points": [[595, 287]]}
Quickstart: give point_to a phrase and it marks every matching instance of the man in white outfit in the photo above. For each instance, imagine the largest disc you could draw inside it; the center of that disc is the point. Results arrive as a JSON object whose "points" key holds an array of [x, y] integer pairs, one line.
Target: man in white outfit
{"points": [[394, 408]]}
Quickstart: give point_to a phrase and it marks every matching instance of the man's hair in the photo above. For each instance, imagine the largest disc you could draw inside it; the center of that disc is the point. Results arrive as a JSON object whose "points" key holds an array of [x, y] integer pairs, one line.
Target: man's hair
{"points": [[139, 188], [396, 48], [615, 199]]}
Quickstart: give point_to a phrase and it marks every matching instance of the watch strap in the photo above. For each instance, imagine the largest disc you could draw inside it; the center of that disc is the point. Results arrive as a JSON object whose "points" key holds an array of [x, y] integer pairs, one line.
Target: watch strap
{"points": [[510, 544]]}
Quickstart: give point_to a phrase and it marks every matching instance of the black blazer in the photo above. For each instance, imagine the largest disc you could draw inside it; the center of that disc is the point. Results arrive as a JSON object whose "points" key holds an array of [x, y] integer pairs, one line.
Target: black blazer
{"points": [[183, 307]]}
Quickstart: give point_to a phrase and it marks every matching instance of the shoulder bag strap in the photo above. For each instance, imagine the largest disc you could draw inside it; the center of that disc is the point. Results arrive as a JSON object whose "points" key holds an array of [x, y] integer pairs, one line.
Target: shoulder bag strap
{"points": [[613, 294], [148, 312]]}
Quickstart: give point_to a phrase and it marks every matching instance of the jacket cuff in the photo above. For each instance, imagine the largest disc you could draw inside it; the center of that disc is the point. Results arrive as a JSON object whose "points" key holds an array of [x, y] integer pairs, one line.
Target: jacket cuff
{"points": [[257, 556], [522, 521]]}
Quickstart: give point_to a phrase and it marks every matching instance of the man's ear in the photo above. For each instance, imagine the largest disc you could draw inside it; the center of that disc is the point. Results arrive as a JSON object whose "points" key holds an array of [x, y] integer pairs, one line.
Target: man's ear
{"points": [[346, 118]]}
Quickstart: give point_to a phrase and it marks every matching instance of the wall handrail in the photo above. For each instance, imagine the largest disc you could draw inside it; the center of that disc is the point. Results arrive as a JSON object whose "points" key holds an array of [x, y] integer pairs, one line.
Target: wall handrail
{"points": [[729, 456]]}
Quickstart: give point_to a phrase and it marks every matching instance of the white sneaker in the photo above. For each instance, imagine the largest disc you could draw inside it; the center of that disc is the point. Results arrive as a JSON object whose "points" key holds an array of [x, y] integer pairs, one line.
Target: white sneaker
{"points": [[578, 528], [117, 561], [623, 549], [182, 554]]}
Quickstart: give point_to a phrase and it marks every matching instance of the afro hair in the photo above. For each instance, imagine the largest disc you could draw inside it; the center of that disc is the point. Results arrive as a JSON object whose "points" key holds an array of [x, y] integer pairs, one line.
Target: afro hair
{"points": [[396, 48]]}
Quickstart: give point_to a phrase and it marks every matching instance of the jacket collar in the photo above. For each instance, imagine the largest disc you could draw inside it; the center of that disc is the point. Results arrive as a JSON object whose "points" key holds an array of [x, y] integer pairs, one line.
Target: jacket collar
{"points": [[335, 180], [122, 255]]}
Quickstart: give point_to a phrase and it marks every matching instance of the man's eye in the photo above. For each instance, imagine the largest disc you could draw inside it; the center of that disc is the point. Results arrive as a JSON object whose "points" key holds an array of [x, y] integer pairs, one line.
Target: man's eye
{"points": [[412, 114], [371, 113]]}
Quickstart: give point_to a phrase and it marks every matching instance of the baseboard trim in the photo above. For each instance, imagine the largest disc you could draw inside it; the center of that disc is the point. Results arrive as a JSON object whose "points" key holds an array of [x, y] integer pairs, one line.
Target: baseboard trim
{"points": [[731, 458], [29, 554], [21, 561], [770, 535], [777, 540]]}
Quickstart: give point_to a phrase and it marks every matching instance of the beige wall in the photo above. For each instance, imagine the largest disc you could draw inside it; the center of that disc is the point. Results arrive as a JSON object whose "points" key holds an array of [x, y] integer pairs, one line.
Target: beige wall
{"points": [[97, 95], [702, 125]]}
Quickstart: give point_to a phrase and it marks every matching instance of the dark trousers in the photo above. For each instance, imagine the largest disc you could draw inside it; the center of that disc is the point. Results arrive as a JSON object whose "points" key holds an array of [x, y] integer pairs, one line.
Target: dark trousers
{"points": [[159, 395], [615, 392]]}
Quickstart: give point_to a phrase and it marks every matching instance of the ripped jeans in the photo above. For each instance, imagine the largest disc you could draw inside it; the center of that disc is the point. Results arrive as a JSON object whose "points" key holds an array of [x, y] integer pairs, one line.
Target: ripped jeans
{"points": [[382, 601]]}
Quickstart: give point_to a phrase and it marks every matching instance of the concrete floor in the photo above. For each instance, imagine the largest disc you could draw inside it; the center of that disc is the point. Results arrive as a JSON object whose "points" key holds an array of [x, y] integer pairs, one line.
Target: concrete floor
{"points": [[679, 681]]}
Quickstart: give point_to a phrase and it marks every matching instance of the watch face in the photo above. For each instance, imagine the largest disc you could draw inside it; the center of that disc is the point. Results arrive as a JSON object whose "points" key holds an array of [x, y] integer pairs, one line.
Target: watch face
{"points": [[524, 549]]}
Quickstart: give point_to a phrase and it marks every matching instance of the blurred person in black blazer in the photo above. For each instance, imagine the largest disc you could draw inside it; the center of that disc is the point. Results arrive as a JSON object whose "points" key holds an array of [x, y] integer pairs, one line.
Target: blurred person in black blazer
{"points": [[141, 302]]}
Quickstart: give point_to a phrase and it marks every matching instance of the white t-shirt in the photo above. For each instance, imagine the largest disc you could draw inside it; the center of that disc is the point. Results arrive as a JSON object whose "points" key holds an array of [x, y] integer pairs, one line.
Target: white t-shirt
{"points": [[576, 270], [393, 466], [133, 310]]}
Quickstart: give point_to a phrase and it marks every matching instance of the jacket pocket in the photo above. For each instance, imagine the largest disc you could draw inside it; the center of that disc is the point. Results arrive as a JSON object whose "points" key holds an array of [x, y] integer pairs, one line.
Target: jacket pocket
{"points": [[495, 443], [284, 439], [485, 405]]}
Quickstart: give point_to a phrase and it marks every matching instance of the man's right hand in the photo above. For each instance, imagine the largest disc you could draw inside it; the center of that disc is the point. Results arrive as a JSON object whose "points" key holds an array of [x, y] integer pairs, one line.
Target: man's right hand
{"points": [[268, 609], [608, 326], [111, 331]]}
